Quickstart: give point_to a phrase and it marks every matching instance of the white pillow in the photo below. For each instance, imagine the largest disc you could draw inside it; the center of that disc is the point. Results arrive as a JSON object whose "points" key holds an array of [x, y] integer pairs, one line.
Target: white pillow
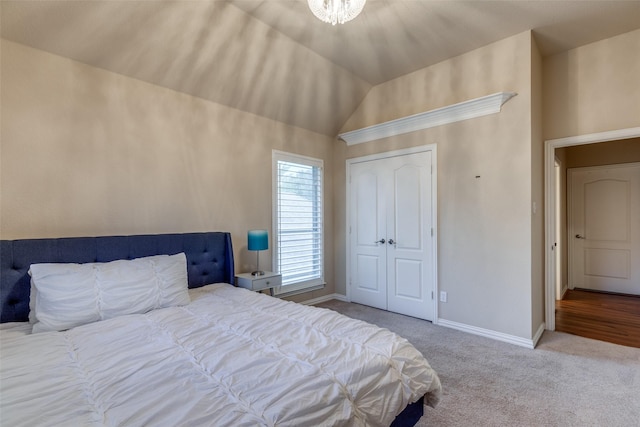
{"points": [[69, 295]]}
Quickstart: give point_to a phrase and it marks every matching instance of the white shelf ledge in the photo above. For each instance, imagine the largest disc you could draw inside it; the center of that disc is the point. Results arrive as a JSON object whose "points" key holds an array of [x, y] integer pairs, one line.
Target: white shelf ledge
{"points": [[478, 107]]}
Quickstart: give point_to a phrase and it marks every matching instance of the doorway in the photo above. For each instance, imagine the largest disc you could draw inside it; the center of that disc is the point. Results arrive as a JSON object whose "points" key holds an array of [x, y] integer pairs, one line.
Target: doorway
{"points": [[391, 231], [551, 188]]}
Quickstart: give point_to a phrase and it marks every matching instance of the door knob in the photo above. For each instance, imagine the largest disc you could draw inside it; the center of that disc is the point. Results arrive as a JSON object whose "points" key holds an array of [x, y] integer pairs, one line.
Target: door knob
{"points": [[381, 241], [580, 236], [392, 242]]}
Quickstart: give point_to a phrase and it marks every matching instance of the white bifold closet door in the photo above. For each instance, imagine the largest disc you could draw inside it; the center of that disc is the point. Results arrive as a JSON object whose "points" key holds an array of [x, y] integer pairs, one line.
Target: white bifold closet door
{"points": [[390, 234]]}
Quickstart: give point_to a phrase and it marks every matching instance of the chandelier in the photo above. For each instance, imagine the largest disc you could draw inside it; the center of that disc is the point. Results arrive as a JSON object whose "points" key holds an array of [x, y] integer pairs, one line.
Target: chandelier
{"points": [[336, 11]]}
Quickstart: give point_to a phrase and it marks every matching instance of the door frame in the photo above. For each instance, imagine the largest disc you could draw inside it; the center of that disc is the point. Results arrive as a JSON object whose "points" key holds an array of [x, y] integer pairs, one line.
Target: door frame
{"points": [[434, 212], [550, 205], [558, 247]]}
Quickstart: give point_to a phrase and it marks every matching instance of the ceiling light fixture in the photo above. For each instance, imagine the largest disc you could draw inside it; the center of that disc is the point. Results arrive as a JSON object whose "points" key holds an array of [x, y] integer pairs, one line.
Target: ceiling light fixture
{"points": [[336, 11]]}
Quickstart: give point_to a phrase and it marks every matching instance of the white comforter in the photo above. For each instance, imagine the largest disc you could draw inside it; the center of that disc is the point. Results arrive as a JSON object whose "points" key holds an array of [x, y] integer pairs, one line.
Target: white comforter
{"points": [[230, 358]]}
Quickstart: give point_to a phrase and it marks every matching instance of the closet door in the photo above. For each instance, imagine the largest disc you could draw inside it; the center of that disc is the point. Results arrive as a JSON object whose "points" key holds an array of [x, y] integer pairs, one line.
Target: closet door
{"points": [[368, 234], [409, 258], [390, 240]]}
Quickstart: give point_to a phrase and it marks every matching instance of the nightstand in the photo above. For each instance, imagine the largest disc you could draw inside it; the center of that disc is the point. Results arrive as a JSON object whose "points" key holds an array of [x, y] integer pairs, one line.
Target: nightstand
{"points": [[268, 280]]}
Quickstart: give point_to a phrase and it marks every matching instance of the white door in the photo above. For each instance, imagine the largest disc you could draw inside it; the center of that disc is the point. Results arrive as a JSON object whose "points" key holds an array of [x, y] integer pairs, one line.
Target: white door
{"points": [[604, 228], [368, 234], [391, 246]]}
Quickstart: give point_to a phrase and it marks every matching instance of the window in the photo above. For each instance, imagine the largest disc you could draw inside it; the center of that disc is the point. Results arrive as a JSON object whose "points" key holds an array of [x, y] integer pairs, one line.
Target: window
{"points": [[298, 222]]}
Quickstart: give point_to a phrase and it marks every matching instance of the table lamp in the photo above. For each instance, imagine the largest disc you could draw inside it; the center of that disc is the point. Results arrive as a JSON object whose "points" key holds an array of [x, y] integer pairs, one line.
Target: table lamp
{"points": [[257, 240]]}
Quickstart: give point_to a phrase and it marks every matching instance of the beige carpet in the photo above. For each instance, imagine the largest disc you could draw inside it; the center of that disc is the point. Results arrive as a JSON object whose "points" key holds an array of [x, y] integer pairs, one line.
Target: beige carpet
{"points": [[566, 381]]}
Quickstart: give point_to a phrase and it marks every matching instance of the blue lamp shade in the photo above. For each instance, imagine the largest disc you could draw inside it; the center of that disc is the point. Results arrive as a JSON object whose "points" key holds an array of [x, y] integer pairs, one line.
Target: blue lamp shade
{"points": [[258, 240]]}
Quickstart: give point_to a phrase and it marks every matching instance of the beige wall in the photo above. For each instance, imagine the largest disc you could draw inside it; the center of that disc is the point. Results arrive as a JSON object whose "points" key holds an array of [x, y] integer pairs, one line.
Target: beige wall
{"points": [[484, 224], [603, 153], [593, 88], [89, 152]]}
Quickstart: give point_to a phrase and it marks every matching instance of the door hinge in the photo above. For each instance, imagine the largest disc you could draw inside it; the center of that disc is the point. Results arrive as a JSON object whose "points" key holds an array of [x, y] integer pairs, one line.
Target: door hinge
{"points": [[431, 231], [431, 294]]}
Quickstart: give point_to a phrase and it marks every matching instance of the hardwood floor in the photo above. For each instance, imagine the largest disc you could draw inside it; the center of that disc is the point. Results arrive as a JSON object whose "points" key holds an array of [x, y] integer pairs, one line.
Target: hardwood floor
{"points": [[601, 316]]}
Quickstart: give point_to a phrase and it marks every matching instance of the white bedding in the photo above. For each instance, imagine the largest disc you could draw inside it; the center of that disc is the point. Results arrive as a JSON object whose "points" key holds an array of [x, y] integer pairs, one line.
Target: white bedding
{"points": [[230, 358]]}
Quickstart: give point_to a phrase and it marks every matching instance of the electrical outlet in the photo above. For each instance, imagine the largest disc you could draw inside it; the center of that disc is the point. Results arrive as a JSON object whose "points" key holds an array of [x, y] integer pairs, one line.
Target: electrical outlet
{"points": [[443, 296]]}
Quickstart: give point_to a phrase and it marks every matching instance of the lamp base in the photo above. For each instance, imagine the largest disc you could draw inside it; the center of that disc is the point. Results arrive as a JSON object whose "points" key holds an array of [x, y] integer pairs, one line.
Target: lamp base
{"points": [[257, 273]]}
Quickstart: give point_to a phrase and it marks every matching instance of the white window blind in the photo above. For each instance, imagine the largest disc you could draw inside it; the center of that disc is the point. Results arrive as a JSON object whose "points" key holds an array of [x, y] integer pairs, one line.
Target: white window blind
{"points": [[298, 222]]}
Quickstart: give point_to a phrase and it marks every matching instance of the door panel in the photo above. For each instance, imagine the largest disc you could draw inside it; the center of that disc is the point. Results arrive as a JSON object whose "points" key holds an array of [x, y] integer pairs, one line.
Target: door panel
{"points": [[407, 211], [408, 272], [605, 228], [366, 206], [613, 263]]}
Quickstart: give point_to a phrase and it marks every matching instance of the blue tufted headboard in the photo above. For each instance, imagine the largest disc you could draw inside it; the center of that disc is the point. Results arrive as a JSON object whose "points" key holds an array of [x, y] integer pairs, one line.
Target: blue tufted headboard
{"points": [[209, 260]]}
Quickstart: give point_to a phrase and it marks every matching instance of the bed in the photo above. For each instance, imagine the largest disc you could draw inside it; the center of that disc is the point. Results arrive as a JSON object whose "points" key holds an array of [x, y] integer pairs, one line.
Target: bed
{"points": [[149, 351]]}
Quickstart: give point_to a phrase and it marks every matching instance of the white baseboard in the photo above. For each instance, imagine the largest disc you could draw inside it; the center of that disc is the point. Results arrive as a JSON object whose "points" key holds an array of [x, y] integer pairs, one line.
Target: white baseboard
{"points": [[499, 336], [325, 298], [538, 334], [488, 333]]}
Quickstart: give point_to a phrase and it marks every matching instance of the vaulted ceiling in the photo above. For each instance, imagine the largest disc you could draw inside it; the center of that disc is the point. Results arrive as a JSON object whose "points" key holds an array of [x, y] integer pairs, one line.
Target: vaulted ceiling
{"points": [[273, 58]]}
